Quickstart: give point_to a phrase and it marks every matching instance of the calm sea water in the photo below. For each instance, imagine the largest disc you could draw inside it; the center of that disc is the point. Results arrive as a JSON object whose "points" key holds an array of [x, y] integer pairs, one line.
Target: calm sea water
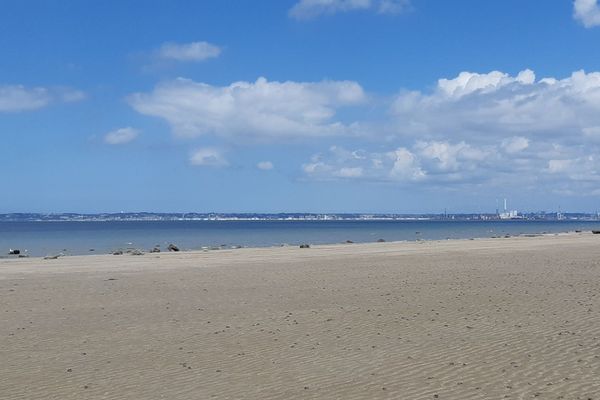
{"points": [[42, 238]]}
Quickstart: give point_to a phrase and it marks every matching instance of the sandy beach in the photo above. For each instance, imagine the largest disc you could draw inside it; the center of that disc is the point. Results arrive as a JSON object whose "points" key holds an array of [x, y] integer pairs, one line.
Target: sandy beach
{"points": [[511, 318]]}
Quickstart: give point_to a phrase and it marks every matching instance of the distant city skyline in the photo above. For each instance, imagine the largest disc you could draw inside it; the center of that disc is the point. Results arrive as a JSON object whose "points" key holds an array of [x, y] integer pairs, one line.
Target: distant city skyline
{"points": [[312, 106]]}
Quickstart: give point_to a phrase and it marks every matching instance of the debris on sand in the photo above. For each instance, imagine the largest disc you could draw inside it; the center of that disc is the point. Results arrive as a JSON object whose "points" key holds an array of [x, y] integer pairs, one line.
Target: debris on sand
{"points": [[380, 240], [14, 252], [305, 246], [172, 247], [54, 256]]}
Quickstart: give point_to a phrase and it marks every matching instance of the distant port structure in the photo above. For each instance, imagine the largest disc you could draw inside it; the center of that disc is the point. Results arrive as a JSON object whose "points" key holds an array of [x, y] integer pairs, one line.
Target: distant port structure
{"points": [[508, 214]]}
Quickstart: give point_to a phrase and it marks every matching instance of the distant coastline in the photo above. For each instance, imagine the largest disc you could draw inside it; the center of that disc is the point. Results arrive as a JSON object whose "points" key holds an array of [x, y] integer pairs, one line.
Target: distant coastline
{"points": [[72, 236], [193, 216]]}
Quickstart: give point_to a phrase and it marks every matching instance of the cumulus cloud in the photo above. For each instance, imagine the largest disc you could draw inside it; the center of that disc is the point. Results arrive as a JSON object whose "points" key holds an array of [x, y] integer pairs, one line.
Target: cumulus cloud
{"points": [[405, 165], [548, 167], [307, 9], [261, 109], [208, 157], [338, 163], [587, 12], [265, 165], [497, 105], [16, 98], [195, 51], [518, 128], [121, 136], [489, 128]]}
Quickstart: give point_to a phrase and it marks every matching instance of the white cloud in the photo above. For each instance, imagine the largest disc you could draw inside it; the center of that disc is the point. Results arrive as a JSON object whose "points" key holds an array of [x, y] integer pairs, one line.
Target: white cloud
{"points": [[338, 163], [121, 136], [195, 51], [444, 156], [16, 98], [587, 12], [474, 129], [405, 165], [209, 157], [350, 172], [548, 167], [555, 166], [265, 165], [496, 106], [515, 144], [577, 168], [469, 82], [260, 109], [307, 9]]}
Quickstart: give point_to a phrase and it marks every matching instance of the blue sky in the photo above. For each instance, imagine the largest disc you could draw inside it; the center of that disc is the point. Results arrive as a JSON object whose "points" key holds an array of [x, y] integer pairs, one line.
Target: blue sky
{"points": [[299, 105]]}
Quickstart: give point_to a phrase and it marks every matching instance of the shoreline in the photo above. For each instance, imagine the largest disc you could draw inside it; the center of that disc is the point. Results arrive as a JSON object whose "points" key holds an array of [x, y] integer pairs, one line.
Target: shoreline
{"points": [[127, 251], [314, 251], [39, 240]]}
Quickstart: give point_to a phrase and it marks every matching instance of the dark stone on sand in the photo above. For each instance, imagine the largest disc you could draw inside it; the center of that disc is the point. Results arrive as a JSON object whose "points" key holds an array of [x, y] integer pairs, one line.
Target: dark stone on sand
{"points": [[118, 253], [14, 252], [135, 252], [156, 249], [305, 246], [23, 255], [380, 240], [172, 247], [349, 241], [596, 232], [53, 257]]}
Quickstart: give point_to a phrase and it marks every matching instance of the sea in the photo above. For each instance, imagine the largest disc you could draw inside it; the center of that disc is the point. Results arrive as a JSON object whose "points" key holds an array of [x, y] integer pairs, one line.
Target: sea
{"points": [[78, 237]]}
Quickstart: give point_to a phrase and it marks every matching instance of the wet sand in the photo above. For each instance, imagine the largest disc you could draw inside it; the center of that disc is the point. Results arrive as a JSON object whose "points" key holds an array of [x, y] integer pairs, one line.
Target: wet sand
{"points": [[511, 318]]}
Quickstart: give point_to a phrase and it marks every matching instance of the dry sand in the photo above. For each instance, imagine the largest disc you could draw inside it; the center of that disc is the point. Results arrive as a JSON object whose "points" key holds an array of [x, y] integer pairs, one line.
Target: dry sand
{"points": [[484, 319]]}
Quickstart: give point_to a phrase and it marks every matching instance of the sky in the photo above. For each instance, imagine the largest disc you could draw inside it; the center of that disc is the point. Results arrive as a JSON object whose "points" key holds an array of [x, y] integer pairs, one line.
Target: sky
{"points": [[401, 106]]}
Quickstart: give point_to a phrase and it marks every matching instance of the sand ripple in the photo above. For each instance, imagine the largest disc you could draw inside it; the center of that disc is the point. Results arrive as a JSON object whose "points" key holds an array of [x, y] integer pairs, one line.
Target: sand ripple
{"points": [[503, 319]]}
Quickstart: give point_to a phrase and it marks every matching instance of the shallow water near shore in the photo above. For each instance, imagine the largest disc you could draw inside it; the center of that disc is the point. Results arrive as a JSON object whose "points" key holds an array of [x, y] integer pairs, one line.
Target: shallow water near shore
{"points": [[76, 238]]}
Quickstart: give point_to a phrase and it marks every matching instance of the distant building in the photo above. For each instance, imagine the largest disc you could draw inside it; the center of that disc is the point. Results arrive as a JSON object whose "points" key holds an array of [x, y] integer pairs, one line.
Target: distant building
{"points": [[512, 214]]}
